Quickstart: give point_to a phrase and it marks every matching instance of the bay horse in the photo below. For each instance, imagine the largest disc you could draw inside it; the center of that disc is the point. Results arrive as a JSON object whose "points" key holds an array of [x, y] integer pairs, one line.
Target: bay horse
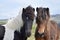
{"points": [[18, 27], [46, 29]]}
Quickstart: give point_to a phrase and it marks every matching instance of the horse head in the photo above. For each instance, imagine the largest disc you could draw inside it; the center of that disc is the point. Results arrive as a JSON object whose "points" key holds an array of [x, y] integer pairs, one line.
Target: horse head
{"points": [[28, 17], [41, 19], [42, 14]]}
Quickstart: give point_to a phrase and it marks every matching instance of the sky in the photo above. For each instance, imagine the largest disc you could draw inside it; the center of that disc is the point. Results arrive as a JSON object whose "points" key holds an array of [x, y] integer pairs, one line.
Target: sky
{"points": [[11, 8]]}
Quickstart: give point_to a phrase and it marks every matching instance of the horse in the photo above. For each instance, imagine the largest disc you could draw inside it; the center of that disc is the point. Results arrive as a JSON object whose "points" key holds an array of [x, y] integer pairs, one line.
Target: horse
{"points": [[28, 17], [46, 29], [13, 28]]}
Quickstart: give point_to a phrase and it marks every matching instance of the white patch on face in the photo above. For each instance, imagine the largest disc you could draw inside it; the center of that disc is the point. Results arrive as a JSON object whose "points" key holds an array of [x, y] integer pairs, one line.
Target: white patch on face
{"points": [[9, 34], [27, 18]]}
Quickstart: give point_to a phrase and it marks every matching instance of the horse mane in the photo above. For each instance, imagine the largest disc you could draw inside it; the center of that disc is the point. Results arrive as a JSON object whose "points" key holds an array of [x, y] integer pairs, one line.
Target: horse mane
{"points": [[15, 23]]}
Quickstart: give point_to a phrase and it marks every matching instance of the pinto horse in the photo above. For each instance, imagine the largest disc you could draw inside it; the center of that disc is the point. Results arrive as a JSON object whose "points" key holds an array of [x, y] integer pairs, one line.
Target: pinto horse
{"points": [[46, 28], [28, 17], [19, 27]]}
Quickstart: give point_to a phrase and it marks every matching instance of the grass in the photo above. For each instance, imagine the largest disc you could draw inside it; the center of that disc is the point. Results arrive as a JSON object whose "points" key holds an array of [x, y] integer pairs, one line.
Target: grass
{"points": [[32, 33], [2, 22]]}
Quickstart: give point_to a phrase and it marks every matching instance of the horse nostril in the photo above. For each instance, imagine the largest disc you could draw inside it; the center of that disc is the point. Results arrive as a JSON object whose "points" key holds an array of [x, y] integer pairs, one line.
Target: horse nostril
{"points": [[28, 34], [41, 34]]}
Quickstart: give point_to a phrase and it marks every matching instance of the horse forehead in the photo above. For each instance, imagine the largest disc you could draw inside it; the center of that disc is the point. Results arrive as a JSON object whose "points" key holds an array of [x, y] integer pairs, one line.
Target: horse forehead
{"points": [[40, 8], [29, 10], [41, 11]]}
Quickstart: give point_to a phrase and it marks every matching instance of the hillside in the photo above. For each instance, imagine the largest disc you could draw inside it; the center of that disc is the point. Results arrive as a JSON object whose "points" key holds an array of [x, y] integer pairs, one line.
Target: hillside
{"points": [[56, 18]]}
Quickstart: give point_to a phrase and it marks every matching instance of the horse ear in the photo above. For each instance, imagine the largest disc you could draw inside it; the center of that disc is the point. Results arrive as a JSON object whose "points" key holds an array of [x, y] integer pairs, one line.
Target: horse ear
{"points": [[33, 9], [37, 9], [23, 9], [48, 12]]}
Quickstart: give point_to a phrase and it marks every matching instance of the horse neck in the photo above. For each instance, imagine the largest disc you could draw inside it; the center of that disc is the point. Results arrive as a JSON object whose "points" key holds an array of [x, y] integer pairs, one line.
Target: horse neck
{"points": [[15, 23]]}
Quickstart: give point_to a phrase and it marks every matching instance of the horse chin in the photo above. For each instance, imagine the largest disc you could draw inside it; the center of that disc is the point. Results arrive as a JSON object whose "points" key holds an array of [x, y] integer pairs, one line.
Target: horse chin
{"points": [[28, 34]]}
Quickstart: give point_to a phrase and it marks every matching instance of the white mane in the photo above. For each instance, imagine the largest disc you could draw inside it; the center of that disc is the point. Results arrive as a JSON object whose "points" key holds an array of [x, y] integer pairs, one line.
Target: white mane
{"points": [[12, 25], [15, 23]]}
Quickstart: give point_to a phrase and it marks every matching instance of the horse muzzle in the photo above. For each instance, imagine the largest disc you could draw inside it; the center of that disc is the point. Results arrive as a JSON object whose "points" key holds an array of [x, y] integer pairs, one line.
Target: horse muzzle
{"points": [[28, 34], [40, 35]]}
